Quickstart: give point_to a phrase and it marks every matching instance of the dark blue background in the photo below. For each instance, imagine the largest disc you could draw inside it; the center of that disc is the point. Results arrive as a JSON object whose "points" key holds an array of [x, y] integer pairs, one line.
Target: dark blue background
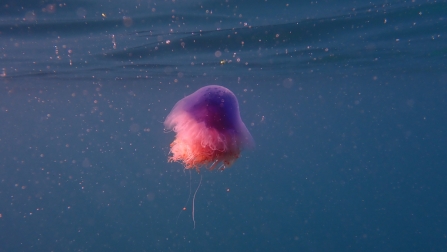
{"points": [[346, 101]]}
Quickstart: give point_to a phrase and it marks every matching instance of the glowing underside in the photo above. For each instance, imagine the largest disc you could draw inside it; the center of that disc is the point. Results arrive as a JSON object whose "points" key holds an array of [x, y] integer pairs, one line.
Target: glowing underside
{"points": [[197, 146]]}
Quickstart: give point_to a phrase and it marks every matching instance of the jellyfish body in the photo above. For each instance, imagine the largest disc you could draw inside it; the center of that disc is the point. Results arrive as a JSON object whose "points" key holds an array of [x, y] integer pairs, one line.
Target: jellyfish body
{"points": [[209, 129]]}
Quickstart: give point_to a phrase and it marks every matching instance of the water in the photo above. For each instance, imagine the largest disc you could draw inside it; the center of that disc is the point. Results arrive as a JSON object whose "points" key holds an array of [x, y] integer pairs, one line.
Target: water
{"points": [[345, 100]]}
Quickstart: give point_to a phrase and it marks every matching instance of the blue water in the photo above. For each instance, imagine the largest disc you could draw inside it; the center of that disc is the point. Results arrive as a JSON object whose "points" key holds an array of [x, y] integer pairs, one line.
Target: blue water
{"points": [[346, 101]]}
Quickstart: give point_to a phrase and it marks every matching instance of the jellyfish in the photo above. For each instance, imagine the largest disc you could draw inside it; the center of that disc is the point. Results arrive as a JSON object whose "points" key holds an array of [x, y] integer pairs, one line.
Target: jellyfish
{"points": [[209, 129]]}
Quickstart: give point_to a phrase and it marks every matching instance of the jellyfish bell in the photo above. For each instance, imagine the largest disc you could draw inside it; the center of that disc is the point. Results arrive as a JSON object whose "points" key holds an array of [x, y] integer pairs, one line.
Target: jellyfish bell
{"points": [[209, 129]]}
